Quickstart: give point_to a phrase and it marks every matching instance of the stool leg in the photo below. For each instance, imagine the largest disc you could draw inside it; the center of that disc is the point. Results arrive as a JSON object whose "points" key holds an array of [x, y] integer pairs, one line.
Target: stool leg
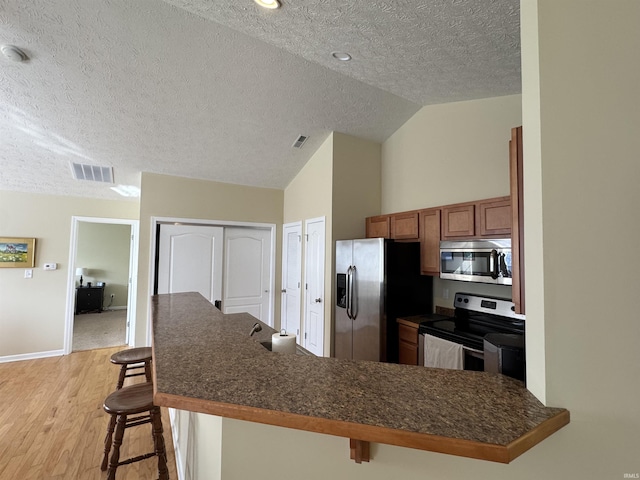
{"points": [[107, 442], [158, 443], [147, 370], [121, 376], [115, 456]]}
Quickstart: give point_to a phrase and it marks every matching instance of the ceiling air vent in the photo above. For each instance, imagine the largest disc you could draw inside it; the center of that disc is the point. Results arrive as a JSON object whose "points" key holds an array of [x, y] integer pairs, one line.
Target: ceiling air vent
{"points": [[299, 141], [92, 173]]}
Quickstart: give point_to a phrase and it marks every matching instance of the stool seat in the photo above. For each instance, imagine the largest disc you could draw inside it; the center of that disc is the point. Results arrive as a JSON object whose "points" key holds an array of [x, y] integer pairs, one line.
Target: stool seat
{"points": [[131, 355], [137, 398]]}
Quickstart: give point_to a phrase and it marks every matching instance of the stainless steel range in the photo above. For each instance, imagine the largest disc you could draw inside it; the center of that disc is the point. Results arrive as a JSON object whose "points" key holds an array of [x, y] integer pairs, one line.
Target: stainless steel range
{"points": [[490, 332]]}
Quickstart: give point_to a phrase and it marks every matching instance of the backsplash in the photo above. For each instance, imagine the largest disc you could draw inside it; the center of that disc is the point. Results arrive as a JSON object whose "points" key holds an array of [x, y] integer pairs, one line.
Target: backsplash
{"points": [[449, 312]]}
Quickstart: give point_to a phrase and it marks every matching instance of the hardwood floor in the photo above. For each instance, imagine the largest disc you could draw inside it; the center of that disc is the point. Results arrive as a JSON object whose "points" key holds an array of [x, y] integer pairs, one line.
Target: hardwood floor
{"points": [[52, 424]]}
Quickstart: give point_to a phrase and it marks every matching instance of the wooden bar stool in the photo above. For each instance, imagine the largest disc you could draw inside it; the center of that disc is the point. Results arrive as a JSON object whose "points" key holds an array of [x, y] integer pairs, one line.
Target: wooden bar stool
{"points": [[126, 405], [132, 359]]}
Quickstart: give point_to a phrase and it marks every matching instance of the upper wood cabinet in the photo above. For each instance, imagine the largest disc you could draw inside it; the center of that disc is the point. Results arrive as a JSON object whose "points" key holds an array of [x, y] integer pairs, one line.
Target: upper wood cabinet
{"points": [[404, 226], [493, 217], [378, 227], [458, 221], [517, 219], [430, 241]]}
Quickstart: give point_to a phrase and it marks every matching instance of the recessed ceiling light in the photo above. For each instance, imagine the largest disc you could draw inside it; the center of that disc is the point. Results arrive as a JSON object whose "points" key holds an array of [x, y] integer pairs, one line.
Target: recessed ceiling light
{"points": [[268, 3], [14, 53], [342, 56]]}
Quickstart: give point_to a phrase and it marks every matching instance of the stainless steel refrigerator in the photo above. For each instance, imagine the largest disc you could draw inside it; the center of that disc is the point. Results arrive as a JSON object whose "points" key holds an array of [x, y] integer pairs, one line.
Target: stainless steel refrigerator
{"points": [[377, 281]]}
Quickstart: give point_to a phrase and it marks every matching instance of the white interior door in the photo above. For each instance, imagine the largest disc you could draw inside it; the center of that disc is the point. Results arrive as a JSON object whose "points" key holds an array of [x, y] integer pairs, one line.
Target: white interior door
{"points": [[190, 260], [314, 283], [247, 272], [291, 278]]}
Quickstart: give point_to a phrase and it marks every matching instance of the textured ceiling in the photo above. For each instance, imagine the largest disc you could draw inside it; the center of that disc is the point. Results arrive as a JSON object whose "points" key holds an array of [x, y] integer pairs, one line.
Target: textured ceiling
{"points": [[221, 90]]}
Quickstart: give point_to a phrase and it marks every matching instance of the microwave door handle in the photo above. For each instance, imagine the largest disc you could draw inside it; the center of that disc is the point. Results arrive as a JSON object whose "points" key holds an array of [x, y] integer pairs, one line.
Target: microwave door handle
{"points": [[493, 264]]}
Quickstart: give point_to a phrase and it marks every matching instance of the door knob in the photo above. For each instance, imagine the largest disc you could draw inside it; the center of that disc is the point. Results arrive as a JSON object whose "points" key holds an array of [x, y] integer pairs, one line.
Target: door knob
{"points": [[284, 290], [318, 300]]}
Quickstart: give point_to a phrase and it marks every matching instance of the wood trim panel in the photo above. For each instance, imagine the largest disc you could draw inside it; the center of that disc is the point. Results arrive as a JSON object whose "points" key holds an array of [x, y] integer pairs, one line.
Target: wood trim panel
{"points": [[458, 221], [370, 433], [360, 451], [405, 226], [493, 217], [517, 219], [430, 241], [378, 227]]}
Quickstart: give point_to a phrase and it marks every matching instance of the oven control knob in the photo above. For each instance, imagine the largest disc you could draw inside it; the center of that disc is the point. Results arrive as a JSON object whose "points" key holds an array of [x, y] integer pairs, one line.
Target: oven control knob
{"points": [[466, 300], [459, 299]]}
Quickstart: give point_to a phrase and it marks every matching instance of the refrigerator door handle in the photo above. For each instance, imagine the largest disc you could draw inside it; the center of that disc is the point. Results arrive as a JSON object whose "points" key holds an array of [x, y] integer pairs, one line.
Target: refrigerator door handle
{"points": [[352, 310], [348, 292]]}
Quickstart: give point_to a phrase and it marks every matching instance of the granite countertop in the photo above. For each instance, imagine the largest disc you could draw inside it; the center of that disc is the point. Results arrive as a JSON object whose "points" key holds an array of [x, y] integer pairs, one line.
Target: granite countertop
{"points": [[205, 361]]}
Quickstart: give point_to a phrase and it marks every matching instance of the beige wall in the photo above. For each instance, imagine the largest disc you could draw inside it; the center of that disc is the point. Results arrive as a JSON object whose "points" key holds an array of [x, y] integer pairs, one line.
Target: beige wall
{"points": [[356, 185], [32, 311], [103, 249], [450, 153], [167, 196], [309, 195], [342, 183]]}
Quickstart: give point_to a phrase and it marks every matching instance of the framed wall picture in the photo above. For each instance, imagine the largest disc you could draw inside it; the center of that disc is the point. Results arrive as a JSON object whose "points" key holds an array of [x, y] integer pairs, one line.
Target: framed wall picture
{"points": [[17, 252]]}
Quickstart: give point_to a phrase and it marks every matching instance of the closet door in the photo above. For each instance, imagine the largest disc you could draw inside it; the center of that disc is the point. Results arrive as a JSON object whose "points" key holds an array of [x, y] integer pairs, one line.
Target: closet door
{"points": [[190, 260], [247, 272], [291, 278]]}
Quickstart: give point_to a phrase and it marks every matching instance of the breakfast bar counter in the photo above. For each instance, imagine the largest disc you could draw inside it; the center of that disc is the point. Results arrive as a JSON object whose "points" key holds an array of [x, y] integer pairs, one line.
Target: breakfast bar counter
{"points": [[205, 361]]}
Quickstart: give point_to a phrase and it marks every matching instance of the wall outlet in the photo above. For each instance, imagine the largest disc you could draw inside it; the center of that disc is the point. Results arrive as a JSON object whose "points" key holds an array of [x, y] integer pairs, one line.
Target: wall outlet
{"points": [[50, 266], [445, 293], [28, 273]]}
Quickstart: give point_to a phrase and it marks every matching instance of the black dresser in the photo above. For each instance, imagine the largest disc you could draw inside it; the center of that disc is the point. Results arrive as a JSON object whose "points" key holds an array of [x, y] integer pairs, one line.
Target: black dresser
{"points": [[89, 299]]}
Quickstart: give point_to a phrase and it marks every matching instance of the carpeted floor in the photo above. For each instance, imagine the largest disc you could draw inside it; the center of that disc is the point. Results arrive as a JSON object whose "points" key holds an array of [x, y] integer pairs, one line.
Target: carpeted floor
{"points": [[99, 330]]}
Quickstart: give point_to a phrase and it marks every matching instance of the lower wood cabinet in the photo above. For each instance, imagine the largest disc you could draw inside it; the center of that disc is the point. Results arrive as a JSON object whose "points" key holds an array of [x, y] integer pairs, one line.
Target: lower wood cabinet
{"points": [[408, 342]]}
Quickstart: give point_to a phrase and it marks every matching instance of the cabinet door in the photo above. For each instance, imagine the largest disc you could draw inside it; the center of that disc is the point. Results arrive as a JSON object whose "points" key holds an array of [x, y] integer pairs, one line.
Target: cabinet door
{"points": [[458, 221], [517, 225], [430, 242], [378, 227], [494, 217], [404, 226], [408, 346]]}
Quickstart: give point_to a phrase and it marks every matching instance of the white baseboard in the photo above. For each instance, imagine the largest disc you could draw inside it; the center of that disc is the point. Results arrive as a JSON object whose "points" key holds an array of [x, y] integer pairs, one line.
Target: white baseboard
{"points": [[31, 356], [114, 308]]}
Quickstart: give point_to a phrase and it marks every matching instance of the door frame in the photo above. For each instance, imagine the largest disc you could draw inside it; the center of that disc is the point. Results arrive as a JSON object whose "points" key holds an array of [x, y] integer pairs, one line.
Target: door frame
{"points": [[71, 277], [156, 221]]}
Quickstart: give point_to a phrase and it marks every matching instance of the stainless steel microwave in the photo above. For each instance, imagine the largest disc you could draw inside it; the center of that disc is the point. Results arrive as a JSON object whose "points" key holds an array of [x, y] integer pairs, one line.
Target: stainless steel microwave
{"points": [[484, 261]]}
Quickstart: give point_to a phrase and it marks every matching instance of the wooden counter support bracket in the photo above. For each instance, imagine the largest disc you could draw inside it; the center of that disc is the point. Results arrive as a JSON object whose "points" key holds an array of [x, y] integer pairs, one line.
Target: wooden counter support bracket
{"points": [[359, 450]]}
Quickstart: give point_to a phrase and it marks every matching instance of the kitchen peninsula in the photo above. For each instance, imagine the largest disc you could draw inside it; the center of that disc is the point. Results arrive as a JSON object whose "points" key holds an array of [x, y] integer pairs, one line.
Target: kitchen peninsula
{"points": [[205, 361]]}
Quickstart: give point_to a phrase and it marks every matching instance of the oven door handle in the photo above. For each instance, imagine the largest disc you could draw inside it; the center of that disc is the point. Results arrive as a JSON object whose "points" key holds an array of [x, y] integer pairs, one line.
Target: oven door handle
{"points": [[469, 349], [494, 264]]}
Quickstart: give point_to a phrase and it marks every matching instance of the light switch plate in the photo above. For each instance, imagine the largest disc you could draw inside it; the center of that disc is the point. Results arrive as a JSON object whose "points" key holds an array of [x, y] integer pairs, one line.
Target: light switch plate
{"points": [[28, 273], [50, 266]]}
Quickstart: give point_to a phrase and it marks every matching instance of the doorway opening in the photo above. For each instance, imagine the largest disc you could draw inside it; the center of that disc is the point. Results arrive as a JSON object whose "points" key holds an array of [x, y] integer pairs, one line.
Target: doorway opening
{"points": [[101, 284]]}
